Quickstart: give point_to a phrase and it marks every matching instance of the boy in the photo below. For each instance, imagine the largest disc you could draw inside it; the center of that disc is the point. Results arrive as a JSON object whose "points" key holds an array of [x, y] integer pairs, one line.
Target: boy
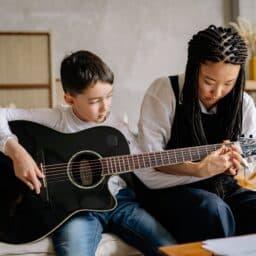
{"points": [[87, 84]]}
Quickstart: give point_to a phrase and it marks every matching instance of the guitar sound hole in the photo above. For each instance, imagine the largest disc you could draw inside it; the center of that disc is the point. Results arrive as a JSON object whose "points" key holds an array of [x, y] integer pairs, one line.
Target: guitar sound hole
{"points": [[85, 169]]}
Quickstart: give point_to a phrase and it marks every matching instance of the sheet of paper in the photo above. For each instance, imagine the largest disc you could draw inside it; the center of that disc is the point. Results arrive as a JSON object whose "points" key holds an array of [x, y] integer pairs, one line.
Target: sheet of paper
{"points": [[233, 246]]}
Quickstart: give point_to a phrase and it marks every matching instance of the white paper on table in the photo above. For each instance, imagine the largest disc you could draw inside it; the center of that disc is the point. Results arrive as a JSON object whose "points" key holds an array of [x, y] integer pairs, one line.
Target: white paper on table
{"points": [[232, 246]]}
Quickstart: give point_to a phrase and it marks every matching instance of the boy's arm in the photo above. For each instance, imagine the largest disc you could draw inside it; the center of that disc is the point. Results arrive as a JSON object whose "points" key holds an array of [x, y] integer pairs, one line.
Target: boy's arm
{"points": [[48, 117], [24, 166]]}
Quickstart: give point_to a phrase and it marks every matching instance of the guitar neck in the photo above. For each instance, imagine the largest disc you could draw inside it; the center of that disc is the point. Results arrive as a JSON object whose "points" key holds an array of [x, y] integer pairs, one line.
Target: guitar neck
{"points": [[127, 163]]}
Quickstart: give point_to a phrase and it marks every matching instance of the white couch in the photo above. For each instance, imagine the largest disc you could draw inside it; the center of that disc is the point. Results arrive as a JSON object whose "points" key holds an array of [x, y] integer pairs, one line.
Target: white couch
{"points": [[110, 245]]}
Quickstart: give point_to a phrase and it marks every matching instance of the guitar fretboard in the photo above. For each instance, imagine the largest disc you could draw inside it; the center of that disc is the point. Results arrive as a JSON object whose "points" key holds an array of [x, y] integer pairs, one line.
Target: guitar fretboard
{"points": [[127, 163]]}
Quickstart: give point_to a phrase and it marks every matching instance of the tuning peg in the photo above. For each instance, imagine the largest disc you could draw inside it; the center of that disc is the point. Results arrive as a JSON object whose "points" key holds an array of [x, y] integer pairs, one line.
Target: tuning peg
{"points": [[250, 136], [242, 136]]}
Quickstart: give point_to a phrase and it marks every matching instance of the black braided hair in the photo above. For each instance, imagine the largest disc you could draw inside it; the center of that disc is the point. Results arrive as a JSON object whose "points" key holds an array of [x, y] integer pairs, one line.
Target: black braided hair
{"points": [[215, 44]]}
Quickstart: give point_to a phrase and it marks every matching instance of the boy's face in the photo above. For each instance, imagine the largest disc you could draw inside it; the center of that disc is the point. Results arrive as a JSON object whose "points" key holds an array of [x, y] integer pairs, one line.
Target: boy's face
{"points": [[93, 104]]}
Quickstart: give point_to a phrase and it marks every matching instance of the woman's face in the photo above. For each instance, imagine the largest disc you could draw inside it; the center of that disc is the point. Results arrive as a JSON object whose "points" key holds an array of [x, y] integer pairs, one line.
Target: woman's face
{"points": [[216, 80]]}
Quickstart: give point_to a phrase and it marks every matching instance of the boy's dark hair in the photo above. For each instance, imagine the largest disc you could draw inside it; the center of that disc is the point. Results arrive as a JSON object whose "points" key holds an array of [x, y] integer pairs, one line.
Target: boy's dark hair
{"points": [[215, 44], [82, 69]]}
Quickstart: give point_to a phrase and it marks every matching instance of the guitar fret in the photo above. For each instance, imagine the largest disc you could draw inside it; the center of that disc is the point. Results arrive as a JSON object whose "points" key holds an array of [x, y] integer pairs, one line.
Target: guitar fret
{"points": [[129, 167], [104, 166], [176, 160], [155, 159], [112, 166], [190, 154], [146, 161], [194, 154], [204, 151], [208, 151], [198, 153], [184, 156], [136, 161], [178, 157], [167, 161], [143, 160], [120, 167], [124, 164], [168, 157], [115, 164], [139, 162], [161, 159]]}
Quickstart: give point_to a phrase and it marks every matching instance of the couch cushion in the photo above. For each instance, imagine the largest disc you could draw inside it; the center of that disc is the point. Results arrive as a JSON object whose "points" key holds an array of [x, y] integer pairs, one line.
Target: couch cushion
{"points": [[109, 245]]}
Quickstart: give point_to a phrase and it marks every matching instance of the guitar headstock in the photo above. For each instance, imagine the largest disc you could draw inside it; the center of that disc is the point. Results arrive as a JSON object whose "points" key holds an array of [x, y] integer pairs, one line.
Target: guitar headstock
{"points": [[248, 146]]}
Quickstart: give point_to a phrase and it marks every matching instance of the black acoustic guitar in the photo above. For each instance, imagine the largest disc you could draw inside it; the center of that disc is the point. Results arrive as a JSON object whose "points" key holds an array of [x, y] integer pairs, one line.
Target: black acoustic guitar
{"points": [[77, 167]]}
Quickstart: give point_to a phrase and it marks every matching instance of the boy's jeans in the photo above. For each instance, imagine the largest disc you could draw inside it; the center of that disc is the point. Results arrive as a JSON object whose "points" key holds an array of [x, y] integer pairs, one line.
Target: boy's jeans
{"points": [[81, 234]]}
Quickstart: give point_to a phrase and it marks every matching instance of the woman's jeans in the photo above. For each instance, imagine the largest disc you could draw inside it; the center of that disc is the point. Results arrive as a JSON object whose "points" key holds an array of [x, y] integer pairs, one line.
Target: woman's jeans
{"points": [[212, 208], [80, 235]]}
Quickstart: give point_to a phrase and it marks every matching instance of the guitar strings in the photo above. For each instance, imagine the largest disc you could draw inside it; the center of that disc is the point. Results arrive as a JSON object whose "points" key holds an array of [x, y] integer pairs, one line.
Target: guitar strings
{"points": [[120, 160], [128, 168], [184, 151], [55, 174], [113, 159]]}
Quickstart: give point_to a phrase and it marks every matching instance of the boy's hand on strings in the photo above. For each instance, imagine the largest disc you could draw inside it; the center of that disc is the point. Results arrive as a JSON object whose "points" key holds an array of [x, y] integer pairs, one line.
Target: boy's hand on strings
{"points": [[24, 166]]}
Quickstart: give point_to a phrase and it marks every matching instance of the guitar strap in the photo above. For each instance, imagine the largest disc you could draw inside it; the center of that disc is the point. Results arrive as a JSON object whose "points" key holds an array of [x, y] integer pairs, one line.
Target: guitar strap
{"points": [[174, 80], [175, 138]]}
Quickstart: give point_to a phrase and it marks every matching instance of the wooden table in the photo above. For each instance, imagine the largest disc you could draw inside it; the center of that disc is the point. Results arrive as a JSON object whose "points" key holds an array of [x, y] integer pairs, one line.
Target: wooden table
{"points": [[189, 249]]}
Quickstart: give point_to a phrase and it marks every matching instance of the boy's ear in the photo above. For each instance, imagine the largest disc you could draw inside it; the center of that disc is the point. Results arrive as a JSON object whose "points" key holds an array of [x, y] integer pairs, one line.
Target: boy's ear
{"points": [[69, 99]]}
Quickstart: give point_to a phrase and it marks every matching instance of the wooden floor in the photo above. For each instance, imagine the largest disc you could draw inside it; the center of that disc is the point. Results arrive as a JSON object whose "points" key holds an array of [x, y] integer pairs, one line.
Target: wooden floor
{"points": [[190, 249]]}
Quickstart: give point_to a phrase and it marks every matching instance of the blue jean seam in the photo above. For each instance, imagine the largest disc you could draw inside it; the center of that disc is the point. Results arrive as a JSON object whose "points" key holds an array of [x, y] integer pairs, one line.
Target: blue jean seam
{"points": [[231, 216], [145, 241]]}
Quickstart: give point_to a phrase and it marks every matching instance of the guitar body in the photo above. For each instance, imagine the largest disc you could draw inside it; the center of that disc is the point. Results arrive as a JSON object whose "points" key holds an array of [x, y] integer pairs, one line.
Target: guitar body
{"points": [[67, 188]]}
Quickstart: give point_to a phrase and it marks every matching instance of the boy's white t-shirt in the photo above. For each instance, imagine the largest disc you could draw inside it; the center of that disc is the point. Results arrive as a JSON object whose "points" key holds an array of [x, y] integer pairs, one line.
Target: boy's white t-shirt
{"points": [[62, 119]]}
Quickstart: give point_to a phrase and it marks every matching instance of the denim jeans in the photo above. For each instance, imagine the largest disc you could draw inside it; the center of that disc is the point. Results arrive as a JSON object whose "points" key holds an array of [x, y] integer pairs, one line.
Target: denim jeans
{"points": [[211, 208], [80, 235], [241, 201], [189, 213]]}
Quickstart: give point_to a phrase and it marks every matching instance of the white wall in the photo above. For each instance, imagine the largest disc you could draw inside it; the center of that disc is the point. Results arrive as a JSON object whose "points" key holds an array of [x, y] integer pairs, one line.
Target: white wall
{"points": [[247, 9], [139, 39]]}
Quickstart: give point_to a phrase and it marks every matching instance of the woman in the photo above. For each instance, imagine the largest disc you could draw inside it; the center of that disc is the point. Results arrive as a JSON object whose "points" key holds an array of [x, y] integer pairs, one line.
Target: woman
{"points": [[201, 200]]}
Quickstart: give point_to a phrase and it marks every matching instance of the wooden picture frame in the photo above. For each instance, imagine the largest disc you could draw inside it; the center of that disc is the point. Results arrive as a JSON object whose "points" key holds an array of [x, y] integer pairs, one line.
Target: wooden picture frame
{"points": [[26, 69]]}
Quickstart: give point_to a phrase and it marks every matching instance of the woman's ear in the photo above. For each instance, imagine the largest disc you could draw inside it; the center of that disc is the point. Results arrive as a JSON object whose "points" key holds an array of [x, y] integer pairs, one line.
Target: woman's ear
{"points": [[69, 99]]}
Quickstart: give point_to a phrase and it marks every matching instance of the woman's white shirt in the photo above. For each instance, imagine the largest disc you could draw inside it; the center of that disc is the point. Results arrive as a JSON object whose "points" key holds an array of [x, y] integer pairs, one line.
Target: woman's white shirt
{"points": [[155, 125]]}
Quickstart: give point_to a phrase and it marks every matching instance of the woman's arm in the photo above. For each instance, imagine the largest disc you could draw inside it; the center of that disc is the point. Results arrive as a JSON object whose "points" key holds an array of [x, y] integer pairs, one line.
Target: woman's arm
{"points": [[219, 161], [249, 116]]}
